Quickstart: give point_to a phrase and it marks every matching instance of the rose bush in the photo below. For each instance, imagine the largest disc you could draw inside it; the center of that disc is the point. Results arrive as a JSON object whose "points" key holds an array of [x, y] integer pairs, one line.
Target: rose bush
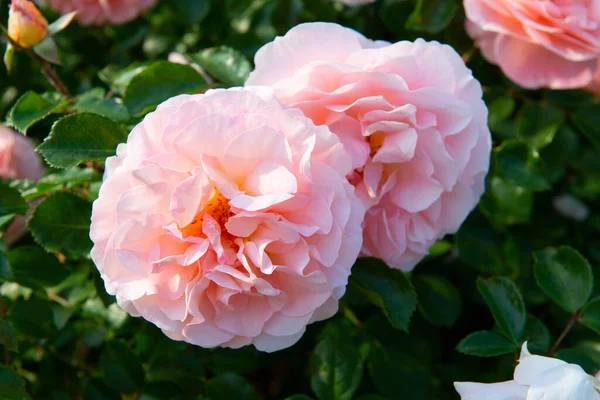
{"points": [[188, 234]]}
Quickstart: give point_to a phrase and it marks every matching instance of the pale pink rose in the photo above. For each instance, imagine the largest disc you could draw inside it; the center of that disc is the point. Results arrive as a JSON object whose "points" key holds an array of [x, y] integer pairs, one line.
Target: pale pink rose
{"points": [[18, 160], [226, 221], [102, 12], [410, 115], [538, 43]]}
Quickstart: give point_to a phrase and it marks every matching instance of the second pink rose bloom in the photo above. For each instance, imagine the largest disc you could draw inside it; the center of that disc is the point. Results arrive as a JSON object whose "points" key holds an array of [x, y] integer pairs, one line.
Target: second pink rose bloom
{"points": [[410, 115], [102, 12], [539, 44]]}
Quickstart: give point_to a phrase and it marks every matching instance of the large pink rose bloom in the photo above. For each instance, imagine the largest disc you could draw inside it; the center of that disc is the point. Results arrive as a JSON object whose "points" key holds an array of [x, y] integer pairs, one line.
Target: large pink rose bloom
{"points": [[102, 12], [409, 114], [226, 221], [538, 43], [18, 160]]}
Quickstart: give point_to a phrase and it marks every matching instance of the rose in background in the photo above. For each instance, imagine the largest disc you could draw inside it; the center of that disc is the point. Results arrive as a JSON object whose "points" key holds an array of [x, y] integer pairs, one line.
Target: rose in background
{"points": [[18, 160], [536, 377], [538, 44], [226, 221], [102, 12], [410, 115]]}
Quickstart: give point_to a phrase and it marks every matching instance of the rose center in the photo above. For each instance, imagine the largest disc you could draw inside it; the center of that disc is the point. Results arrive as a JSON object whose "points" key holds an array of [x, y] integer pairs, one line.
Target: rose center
{"points": [[217, 207], [375, 142]]}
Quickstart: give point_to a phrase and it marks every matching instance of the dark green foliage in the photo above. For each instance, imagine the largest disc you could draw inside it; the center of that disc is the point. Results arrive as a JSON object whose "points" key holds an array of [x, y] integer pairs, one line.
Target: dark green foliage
{"points": [[517, 270], [387, 289]]}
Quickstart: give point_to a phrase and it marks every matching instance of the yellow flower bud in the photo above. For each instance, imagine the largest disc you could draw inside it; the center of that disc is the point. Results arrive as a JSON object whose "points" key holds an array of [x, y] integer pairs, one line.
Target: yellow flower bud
{"points": [[26, 25]]}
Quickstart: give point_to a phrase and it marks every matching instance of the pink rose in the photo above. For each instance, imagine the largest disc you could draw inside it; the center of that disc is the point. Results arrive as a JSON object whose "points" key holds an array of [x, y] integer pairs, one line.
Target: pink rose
{"points": [[18, 160], [409, 114], [542, 43], [226, 221], [103, 12]]}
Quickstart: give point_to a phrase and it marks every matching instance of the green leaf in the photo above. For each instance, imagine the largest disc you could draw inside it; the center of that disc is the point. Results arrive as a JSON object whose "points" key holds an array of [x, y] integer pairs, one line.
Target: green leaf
{"points": [[516, 163], [159, 82], [537, 336], [336, 365], [32, 317], [5, 272], [393, 15], [61, 23], [181, 368], [11, 202], [11, 385], [194, 11], [96, 390], [411, 376], [121, 368], [31, 108], [162, 391], [9, 58], [439, 300], [95, 102], [440, 248], [590, 315], [48, 50], [431, 16], [504, 300], [227, 65], [506, 203], [81, 137], [479, 245], [565, 276], [230, 386], [500, 110], [486, 344], [32, 267], [538, 123], [61, 223], [66, 178], [239, 361], [387, 288], [587, 120], [7, 337], [118, 78], [299, 397]]}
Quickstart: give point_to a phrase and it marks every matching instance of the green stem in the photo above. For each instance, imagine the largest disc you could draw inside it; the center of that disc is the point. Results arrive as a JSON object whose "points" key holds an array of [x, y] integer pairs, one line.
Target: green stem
{"points": [[3, 314], [564, 333], [45, 66], [51, 75]]}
